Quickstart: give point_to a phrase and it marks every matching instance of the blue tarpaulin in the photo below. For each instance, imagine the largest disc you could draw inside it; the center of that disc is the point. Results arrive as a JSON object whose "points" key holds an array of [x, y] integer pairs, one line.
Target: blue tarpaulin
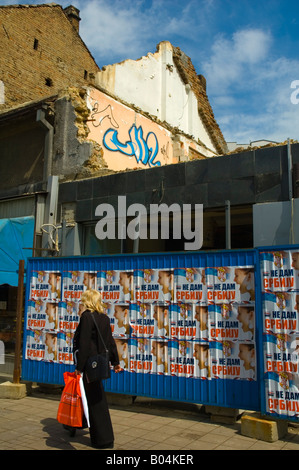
{"points": [[16, 236]]}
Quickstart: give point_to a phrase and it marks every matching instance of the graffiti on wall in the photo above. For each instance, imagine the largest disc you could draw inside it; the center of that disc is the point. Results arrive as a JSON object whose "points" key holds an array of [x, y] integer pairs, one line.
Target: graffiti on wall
{"points": [[145, 150], [144, 147], [98, 116]]}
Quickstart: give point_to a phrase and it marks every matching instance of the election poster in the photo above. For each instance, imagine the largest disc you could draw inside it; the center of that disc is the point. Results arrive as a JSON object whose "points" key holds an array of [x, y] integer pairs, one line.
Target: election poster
{"points": [[181, 358], [45, 285], [68, 316], [76, 282], [233, 360], [42, 345], [232, 322], [280, 312], [230, 284], [154, 285], [183, 324], [146, 355], [141, 356], [190, 285], [280, 271], [281, 374], [42, 315], [35, 345], [116, 286], [280, 295], [142, 321]]}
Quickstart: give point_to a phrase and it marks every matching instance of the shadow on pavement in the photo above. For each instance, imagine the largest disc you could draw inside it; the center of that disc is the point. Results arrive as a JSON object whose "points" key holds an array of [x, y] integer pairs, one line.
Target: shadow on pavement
{"points": [[58, 437]]}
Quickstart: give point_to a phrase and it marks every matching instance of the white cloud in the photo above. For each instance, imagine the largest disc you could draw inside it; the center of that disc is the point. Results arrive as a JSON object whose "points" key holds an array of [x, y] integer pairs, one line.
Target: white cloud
{"points": [[111, 28], [249, 87], [116, 30], [122, 29], [231, 59], [251, 46]]}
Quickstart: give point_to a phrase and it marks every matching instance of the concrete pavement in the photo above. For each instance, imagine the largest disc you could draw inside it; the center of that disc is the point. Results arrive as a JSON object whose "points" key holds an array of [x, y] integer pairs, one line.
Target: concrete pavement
{"points": [[30, 424]]}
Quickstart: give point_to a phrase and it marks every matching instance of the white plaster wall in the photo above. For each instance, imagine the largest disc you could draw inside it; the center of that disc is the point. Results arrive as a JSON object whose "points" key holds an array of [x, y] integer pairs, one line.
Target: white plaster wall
{"points": [[153, 84], [136, 82]]}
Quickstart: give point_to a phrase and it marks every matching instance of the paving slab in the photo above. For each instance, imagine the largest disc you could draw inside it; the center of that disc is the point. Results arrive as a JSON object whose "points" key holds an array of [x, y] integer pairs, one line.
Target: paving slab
{"points": [[30, 424]]}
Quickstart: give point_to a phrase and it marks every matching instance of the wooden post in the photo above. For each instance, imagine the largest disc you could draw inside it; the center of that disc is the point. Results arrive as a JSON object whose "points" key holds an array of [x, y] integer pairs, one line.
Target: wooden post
{"points": [[17, 364]]}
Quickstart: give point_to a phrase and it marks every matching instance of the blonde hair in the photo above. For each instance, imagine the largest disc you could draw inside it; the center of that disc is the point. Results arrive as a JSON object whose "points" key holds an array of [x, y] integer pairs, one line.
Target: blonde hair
{"points": [[92, 300]]}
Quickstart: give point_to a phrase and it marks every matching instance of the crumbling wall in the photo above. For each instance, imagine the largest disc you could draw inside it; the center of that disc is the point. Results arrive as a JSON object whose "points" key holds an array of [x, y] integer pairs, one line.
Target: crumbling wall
{"points": [[198, 85], [75, 155], [166, 85]]}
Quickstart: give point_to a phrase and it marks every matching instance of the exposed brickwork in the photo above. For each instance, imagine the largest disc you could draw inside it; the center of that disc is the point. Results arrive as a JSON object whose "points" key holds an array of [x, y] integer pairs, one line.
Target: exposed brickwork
{"points": [[198, 85], [41, 53]]}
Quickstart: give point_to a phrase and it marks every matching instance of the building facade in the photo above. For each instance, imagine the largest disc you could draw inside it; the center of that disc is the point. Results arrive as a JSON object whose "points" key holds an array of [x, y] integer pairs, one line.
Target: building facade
{"points": [[74, 137], [43, 56], [166, 85]]}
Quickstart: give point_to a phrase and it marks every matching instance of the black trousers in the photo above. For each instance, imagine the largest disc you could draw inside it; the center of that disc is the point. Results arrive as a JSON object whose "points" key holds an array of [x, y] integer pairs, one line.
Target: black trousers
{"points": [[101, 431]]}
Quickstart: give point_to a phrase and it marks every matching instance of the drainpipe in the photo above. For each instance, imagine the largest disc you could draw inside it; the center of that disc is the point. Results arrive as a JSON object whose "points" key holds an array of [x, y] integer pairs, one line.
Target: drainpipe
{"points": [[290, 169], [41, 119], [228, 244], [296, 180]]}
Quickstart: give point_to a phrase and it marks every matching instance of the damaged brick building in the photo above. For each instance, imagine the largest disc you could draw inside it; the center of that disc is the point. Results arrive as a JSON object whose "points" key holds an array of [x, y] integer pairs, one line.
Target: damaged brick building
{"points": [[74, 136], [80, 136], [43, 56]]}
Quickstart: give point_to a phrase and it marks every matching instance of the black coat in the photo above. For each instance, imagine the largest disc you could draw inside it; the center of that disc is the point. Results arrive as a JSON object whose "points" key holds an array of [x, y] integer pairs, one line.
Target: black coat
{"points": [[87, 341]]}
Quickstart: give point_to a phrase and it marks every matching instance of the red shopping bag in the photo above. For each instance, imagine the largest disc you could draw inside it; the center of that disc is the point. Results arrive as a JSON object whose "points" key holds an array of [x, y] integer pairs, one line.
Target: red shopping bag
{"points": [[70, 410]]}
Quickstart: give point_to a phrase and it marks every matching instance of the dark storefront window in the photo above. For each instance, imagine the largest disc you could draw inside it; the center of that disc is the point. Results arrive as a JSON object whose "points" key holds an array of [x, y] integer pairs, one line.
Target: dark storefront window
{"points": [[94, 246], [213, 236]]}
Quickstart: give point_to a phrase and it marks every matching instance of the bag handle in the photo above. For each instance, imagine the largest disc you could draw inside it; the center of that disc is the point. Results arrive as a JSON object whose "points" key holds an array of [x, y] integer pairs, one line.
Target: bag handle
{"points": [[99, 331]]}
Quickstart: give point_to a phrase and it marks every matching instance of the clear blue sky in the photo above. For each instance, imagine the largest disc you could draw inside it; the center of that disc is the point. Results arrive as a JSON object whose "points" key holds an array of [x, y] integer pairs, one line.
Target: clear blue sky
{"points": [[248, 50]]}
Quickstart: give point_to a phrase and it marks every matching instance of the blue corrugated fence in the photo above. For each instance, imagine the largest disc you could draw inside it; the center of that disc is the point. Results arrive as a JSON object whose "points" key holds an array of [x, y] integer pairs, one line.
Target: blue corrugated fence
{"points": [[179, 321]]}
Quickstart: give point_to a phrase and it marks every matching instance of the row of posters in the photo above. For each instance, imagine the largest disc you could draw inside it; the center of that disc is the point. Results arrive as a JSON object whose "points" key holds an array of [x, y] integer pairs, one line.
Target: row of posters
{"points": [[189, 322], [280, 303], [215, 322], [181, 358], [187, 285]]}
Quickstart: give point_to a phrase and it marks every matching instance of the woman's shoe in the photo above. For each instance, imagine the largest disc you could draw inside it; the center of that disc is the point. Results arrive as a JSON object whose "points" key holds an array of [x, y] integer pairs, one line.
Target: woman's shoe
{"points": [[71, 430]]}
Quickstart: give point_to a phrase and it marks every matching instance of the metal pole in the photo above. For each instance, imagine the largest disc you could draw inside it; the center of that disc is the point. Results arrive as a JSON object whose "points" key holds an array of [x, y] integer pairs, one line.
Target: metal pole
{"points": [[136, 240], [290, 179], [17, 364], [123, 234], [63, 239], [227, 226], [290, 168]]}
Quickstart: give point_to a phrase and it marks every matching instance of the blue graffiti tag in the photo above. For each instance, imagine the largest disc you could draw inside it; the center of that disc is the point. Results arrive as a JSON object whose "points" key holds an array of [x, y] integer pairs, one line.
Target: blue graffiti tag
{"points": [[145, 150]]}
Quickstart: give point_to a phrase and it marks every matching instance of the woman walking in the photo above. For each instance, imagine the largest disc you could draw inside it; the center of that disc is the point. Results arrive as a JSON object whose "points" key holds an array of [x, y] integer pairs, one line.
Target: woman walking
{"points": [[86, 344]]}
